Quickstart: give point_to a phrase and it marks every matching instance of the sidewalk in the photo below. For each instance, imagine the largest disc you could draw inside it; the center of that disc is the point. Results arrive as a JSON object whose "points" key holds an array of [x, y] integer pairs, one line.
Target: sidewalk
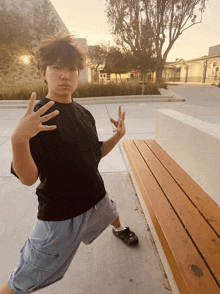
{"points": [[107, 266]]}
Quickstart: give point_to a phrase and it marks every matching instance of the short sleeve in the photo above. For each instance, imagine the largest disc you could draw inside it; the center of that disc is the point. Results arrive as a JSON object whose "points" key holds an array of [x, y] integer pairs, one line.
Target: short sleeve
{"points": [[13, 172]]}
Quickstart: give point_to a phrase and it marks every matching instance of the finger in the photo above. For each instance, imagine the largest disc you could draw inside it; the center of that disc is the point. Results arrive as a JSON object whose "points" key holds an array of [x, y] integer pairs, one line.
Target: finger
{"points": [[120, 123], [48, 128], [43, 109], [123, 115], [119, 111], [31, 103], [49, 116], [113, 121]]}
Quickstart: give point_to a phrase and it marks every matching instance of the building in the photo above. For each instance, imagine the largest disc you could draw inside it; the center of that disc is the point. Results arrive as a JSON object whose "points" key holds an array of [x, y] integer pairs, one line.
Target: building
{"points": [[25, 21], [203, 70], [84, 74]]}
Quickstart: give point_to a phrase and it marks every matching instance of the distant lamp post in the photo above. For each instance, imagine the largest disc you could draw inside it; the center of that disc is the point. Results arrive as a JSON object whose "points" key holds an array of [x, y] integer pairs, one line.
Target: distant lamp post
{"points": [[204, 71]]}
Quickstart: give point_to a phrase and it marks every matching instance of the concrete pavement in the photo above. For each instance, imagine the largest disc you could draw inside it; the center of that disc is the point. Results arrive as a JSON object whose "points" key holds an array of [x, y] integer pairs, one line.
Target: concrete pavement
{"points": [[107, 266]]}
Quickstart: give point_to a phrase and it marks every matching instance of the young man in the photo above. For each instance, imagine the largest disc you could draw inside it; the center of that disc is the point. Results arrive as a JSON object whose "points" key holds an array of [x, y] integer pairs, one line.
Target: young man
{"points": [[57, 141]]}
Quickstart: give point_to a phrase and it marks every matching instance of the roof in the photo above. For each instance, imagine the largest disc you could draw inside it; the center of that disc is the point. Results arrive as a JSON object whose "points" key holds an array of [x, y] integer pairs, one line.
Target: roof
{"points": [[192, 60]]}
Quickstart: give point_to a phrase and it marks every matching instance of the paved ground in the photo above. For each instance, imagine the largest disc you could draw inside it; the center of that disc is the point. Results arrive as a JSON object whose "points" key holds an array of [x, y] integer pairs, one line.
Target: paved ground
{"points": [[107, 266]]}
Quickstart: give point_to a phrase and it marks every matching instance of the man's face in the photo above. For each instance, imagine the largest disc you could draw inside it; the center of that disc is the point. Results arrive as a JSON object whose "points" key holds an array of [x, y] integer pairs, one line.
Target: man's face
{"points": [[61, 81]]}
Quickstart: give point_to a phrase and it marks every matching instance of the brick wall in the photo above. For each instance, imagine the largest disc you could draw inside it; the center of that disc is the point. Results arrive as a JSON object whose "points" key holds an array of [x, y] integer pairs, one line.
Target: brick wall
{"points": [[18, 73]]}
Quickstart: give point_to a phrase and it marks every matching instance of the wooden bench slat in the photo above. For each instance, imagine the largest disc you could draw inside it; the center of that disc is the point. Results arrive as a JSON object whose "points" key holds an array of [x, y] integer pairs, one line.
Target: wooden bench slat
{"points": [[178, 247], [207, 207], [134, 159], [206, 240]]}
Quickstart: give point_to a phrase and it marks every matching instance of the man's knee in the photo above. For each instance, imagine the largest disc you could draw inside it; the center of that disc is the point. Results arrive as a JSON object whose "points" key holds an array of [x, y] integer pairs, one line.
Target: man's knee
{"points": [[5, 289]]}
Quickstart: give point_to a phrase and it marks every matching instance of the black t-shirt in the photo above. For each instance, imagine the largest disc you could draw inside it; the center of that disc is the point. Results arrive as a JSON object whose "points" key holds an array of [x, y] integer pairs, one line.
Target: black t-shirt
{"points": [[67, 159]]}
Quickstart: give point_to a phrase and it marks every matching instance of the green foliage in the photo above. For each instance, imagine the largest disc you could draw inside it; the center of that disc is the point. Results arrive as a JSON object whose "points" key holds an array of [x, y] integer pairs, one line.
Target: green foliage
{"points": [[118, 62], [20, 30], [132, 32], [22, 92], [97, 55], [114, 89], [146, 27], [160, 83], [15, 26], [83, 90]]}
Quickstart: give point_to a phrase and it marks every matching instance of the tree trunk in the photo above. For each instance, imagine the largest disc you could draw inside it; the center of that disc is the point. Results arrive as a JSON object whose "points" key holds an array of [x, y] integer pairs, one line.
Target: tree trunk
{"points": [[96, 76], [160, 68], [143, 81], [159, 73]]}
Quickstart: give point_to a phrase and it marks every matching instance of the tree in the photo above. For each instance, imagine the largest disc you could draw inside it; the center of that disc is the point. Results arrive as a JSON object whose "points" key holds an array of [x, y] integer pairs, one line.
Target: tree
{"points": [[133, 21], [47, 20], [97, 56], [22, 27], [14, 26], [131, 33], [14, 35], [118, 62], [12, 51]]}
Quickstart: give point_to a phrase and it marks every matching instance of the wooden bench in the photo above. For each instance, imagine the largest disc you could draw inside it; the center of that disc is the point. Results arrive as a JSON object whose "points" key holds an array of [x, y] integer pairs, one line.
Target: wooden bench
{"points": [[186, 219]]}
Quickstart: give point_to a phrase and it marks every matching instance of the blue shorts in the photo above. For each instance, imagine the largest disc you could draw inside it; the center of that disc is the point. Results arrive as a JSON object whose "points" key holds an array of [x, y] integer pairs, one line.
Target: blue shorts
{"points": [[49, 250]]}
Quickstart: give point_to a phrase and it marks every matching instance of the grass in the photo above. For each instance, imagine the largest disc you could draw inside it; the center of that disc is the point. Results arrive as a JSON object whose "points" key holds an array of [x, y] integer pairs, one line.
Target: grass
{"points": [[23, 92]]}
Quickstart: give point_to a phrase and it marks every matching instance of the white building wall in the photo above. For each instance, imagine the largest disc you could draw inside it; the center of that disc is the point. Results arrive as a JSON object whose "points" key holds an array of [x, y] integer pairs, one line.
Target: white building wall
{"points": [[195, 69]]}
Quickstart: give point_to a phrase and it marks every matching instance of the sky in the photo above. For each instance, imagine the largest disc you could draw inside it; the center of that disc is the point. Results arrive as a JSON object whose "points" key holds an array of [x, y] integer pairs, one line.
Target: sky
{"points": [[88, 19]]}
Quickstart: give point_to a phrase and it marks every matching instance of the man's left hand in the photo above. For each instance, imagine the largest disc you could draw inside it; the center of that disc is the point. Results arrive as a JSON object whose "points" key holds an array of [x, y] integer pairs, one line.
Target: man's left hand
{"points": [[119, 124]]}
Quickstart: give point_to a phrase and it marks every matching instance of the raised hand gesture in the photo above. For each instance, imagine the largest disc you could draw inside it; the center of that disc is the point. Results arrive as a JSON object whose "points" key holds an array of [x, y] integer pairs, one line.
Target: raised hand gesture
{"points": [[30, 124], [119, 124]]}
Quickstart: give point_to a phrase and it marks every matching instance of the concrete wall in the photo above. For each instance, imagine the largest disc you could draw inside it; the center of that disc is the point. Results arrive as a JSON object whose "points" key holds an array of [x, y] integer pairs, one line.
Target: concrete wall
{"points": [[194, 145]]}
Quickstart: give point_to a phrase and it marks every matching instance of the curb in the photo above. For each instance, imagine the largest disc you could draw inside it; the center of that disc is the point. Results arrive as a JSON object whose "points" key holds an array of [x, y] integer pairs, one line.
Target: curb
{"points": [[11, 104]]}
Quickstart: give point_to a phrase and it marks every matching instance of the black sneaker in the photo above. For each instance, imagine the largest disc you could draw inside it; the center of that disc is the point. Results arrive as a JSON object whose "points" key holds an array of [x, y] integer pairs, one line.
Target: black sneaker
{"points": [[127, 236]]}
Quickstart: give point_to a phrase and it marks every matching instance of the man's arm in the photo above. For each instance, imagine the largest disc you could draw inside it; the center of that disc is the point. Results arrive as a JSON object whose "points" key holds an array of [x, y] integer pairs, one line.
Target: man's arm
{"points": [[120, 131], [29, 126], [109, 144], [23, 163]]}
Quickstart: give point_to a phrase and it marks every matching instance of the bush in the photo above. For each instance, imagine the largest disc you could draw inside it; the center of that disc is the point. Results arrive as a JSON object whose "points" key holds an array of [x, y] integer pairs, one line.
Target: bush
{"points": [[22, 92], [114, 89], [160, 83], [83, 90]]}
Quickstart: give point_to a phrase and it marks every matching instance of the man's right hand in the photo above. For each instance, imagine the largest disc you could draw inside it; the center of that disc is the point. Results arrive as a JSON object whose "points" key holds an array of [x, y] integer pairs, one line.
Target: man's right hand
{"points": [[30, 124]]}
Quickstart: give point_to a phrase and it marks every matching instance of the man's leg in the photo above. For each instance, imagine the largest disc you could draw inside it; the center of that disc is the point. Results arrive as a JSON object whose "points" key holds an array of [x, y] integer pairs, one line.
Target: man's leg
{"points": [[5, 289], [124, 233], [116, 223]]}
